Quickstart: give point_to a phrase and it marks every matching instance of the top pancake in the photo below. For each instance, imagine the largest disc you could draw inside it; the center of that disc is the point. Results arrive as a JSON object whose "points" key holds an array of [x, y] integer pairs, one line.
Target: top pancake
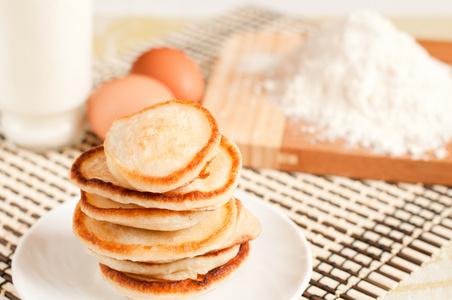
{"points": [[162, 147]]}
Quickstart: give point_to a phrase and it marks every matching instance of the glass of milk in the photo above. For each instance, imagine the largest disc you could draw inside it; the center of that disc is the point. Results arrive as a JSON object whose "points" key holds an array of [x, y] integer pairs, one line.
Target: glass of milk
{"points": [[45, 70]]}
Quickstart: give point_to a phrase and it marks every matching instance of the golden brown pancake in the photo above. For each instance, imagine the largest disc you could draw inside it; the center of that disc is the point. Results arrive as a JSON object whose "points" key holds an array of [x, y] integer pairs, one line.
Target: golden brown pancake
{"points": [[247, 228], [123, 242], [162, 147], [103, 209], [91, 174], [141, 287], [179, 269]]}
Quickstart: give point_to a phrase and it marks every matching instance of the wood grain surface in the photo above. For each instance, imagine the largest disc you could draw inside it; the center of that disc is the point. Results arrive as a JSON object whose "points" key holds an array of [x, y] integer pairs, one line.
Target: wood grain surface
{"points": [[269, 139]]}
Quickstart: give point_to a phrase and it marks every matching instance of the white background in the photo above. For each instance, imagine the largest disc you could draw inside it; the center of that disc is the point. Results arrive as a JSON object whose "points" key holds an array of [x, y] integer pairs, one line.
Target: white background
{"points": [[309, 8]]}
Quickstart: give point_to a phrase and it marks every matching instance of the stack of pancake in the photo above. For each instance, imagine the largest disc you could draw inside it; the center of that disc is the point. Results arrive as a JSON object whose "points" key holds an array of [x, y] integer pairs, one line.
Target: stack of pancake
{"points": [[157, 208]]}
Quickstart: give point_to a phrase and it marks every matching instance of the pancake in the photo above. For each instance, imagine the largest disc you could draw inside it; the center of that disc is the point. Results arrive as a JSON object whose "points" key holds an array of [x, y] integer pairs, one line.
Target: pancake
{"points": [[123, 242], [247, 229], [162, 147], [103, 209], [186, 268], [90, 172], [141, 287]]}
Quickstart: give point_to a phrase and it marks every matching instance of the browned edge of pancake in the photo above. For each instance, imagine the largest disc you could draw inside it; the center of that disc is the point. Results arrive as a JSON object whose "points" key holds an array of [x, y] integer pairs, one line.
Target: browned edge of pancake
{"points": [[78, 177], [186, 286], [86, 206], [213, 253], [243, 238], [199, 158], [95, 243]]}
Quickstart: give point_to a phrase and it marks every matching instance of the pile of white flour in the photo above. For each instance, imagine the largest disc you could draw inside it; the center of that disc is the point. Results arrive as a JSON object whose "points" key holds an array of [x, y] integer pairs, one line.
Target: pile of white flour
{"points": [[362, 80]]}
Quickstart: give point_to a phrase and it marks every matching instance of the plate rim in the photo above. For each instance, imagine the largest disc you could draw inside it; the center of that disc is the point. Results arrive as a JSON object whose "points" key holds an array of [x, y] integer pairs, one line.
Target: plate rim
{"points": [[307, 277]]}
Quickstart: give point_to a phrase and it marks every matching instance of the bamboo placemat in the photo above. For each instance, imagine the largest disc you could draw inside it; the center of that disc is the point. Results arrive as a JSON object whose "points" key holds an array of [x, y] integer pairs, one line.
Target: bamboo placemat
{"points": [[366, 235]]}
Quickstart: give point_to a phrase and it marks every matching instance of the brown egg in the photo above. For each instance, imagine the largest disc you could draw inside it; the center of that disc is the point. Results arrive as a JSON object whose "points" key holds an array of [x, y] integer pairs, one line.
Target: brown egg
{"points": [[123, 96], [174, 69]]}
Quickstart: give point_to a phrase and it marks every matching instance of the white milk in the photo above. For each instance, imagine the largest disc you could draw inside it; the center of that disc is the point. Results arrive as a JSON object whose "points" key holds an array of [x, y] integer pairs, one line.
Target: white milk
{"points": [[45, 70]]}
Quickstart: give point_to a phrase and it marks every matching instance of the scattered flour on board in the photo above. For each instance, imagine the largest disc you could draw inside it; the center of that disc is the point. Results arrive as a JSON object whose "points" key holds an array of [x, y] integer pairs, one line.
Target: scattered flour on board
{"points": [[362, 80]]}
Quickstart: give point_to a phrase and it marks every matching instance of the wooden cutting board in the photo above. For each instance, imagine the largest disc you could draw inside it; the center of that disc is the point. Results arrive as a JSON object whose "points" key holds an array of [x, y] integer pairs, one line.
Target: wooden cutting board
{"points": [[269, 139]]}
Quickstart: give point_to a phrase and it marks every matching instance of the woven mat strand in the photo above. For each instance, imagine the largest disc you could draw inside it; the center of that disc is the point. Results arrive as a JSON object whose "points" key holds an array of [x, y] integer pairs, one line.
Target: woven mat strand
{"points": [[366, 236]]}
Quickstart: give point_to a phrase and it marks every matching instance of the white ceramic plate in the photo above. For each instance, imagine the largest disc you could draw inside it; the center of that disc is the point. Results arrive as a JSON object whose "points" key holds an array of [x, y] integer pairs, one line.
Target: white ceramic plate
{"points": [[50, 263]]}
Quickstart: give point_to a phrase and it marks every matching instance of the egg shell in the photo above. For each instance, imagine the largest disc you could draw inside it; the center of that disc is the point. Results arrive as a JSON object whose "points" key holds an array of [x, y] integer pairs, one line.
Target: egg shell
{"points": [[121, 97], [174, 69]]}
